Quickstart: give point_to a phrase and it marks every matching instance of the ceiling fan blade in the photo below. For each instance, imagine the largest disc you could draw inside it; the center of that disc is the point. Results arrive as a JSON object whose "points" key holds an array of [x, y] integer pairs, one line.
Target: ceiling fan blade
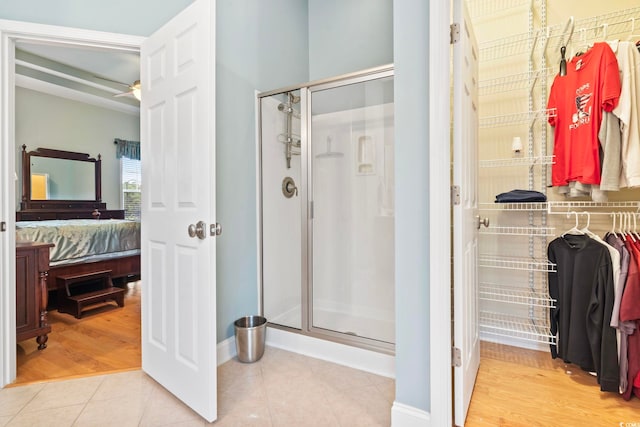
{"points": [[112, 81]]}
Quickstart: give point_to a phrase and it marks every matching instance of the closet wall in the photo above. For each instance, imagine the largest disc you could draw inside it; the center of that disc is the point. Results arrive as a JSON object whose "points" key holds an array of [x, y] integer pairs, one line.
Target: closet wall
{"points": [[519, 42]]}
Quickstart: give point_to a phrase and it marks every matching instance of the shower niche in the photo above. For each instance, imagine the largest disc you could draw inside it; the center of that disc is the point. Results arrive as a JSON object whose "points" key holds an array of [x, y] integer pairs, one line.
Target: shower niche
{"points": [[327, 247]]}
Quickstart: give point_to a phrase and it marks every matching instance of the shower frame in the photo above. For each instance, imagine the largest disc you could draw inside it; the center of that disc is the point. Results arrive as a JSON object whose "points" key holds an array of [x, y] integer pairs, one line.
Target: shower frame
{"points": [[306, 205]]}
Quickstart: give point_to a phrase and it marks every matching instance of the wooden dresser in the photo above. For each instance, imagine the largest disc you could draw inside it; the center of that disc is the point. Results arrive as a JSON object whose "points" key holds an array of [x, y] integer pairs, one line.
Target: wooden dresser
{"points": [[72, 212], [32, 266]]}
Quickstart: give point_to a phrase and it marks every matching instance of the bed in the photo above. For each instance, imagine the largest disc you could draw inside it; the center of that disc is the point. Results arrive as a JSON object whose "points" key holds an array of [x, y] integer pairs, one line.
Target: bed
{"points": [[87, 236], [86, 245]]}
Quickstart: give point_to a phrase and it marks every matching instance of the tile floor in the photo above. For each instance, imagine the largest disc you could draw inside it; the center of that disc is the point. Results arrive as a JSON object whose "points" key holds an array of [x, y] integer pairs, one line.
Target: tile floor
{"points": [[281, 389]]}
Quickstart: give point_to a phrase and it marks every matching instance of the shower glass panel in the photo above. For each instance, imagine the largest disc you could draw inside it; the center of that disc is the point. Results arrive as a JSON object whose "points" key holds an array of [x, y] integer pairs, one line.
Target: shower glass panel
{"points": [[352, 226], [281, 221]]}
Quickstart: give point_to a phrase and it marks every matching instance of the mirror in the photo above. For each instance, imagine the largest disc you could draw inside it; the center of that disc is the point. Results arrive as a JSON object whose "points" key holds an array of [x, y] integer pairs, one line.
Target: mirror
{"points": [[61, 179], [53, 176]]}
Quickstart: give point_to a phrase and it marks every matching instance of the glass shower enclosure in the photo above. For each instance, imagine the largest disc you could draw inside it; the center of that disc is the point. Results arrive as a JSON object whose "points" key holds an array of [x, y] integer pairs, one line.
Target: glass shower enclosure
{"points": [[326, 179]]}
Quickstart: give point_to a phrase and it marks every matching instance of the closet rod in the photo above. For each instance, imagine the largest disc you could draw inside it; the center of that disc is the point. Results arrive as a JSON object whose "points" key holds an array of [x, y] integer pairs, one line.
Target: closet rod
{"points": [[609, 213]]}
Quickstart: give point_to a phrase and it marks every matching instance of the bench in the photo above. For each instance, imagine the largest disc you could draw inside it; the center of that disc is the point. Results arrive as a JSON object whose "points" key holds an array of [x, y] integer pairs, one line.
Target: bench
{"points": [[78, 291]]}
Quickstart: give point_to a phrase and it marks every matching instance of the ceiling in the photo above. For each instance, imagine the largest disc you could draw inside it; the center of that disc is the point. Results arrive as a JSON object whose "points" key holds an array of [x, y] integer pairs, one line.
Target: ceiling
{"points": [[80, 71]]}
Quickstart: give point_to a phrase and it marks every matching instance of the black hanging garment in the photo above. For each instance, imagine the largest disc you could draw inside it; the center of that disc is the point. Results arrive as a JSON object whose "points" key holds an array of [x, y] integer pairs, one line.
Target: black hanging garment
{"points": [[584, 294]]}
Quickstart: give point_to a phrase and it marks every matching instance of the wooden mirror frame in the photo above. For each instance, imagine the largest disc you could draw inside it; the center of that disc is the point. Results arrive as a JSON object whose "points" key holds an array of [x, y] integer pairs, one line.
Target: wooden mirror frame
{"points": [[28, 205]]}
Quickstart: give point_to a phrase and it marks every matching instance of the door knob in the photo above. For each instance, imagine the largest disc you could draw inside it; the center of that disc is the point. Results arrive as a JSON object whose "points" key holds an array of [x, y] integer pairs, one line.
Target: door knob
{"points": [[482, 221], [197, 230]]}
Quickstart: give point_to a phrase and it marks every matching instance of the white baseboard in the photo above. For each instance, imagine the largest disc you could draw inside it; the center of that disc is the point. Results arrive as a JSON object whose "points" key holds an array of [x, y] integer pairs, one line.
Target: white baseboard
{"points": [[353, 357], [408, 416], [226, 350]]}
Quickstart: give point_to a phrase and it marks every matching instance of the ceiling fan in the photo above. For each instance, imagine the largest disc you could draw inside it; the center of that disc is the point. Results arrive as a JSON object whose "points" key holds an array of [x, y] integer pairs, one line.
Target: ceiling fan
{"points": [[132, 89]]}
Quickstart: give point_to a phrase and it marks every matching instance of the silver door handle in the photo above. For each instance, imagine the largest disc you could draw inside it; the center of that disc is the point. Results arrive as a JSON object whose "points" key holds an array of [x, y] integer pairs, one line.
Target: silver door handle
{"points": [[482, 221], [198, 230]]}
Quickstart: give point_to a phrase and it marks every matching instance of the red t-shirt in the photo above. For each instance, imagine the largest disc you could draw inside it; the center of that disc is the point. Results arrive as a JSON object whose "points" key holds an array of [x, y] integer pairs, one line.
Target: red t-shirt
{"points": [[592, 84]]}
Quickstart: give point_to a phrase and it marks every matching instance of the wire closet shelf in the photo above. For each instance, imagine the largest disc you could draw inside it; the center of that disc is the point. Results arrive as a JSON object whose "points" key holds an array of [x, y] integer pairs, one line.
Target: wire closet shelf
{"points": [[528, 329]]}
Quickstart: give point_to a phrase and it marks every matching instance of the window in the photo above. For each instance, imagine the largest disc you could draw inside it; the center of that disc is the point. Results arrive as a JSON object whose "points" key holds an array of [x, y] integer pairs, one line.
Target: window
{"points": [[131, 184]]}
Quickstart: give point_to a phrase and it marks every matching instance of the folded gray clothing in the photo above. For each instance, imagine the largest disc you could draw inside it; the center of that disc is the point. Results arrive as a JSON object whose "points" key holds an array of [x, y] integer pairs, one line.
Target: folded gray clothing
{"points": [[518, 196]]}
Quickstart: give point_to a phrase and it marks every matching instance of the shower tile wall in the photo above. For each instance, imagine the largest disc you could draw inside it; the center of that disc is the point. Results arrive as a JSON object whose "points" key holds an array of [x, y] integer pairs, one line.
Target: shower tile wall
{"points": [[353, 225]]}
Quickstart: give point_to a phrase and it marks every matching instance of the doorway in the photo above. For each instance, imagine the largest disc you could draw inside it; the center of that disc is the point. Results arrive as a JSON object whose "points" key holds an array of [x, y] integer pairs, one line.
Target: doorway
{"points": [[519, 58], [14, 32], [66, 93]]}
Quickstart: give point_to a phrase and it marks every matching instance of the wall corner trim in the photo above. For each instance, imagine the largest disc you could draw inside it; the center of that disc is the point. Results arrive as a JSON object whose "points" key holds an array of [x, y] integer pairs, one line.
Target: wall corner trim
{"points": [[226, 350], [408, 416]]}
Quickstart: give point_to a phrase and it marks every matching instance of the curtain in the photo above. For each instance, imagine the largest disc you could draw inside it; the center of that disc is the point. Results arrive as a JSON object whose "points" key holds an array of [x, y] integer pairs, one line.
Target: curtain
{"points": [[128, 149]]}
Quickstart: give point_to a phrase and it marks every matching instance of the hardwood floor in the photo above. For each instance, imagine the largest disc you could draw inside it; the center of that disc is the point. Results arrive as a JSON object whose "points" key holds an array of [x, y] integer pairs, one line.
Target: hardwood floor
{"points": [[106, 339], [518, 387]]}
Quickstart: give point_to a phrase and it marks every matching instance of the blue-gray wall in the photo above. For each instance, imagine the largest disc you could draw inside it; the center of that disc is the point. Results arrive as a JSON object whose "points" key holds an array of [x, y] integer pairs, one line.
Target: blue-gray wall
{"points": [[137, 17], [274, 38], [261, 46], [43, 121], [349, 35], [411, 47]]}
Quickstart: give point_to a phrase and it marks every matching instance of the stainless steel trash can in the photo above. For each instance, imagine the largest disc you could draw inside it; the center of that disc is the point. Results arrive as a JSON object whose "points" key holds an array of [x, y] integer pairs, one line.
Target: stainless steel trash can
{"points": [[250, 338]]}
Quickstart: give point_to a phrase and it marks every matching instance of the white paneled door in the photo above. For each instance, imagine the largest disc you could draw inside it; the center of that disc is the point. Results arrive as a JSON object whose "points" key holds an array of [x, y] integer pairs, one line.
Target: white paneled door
{"points": [[465, 212], [178, 170]]}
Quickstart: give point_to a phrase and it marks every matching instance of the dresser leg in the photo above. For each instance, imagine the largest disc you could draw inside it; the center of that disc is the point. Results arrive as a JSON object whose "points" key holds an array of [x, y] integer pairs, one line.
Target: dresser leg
{"points": [[42, 341]]}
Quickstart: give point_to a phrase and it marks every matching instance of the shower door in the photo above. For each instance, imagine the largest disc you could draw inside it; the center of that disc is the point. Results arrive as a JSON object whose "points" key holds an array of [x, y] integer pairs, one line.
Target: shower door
{"points": [[351, 209], [281, 228]]}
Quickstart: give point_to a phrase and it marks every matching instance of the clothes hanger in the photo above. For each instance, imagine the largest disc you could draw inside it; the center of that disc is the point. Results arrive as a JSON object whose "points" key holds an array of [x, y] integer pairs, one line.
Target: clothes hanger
{"points": [[635, 225], [619, 229], [621, 226], [583, 42], [568, 29], [632, 36], [586, 46], [613, 224], [628, 226], [605, 31], [575, 230], [586, 230]]}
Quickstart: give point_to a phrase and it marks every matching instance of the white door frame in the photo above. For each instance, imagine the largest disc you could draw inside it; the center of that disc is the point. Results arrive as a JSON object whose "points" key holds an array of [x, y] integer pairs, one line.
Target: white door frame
{"points": [[440, 214], [10, 32]]}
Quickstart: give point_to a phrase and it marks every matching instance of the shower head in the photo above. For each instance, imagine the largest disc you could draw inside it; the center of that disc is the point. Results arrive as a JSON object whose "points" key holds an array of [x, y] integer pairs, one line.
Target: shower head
{"points": [[329, 154]]}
